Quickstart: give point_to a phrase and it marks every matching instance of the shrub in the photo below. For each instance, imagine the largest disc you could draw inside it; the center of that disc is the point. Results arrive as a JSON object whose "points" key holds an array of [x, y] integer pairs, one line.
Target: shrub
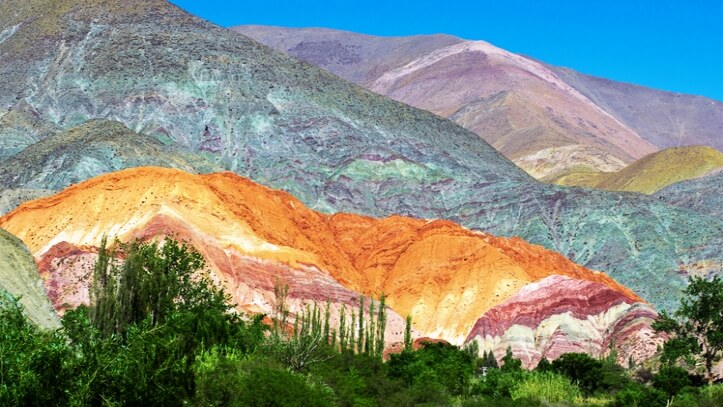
{"points": [[637, 395], [268, 386], [547, 386], [479, 401], [30, 360], [450, 366], [580, 368], [711, 395], [671, 379]]}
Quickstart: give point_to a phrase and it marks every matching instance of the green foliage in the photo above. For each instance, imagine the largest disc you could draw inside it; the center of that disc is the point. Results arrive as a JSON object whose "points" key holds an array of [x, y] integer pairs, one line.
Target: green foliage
{"points": [[547, 386], [489, 360], [710, 396], [434, 363], [671, 379], [225, 378], [152, 282], [580, 368], [408, 334], [510, 363], [479, 401], [544, 365], [138, 340], [637, 395], [697, 325], [29, 360], [498, 384]]}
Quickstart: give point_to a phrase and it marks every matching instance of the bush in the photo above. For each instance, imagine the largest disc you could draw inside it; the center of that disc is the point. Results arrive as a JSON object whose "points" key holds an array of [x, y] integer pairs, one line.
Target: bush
{"points": [[710, 396], [267, 386], [30, 360], [580, 368], [479, 401], [671, 379], [547, 386], [498, 384], [448, 365], [637, 395], [218, 377]]}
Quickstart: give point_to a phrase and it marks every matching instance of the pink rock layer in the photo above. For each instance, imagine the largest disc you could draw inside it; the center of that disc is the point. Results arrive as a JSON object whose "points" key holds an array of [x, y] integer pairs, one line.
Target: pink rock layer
{"points": [[559, 315]]}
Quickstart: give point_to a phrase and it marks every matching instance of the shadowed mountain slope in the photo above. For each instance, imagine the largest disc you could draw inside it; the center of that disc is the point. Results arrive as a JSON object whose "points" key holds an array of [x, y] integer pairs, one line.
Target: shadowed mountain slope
{"points": [[443, 275], [19, 278], [201, 90]]}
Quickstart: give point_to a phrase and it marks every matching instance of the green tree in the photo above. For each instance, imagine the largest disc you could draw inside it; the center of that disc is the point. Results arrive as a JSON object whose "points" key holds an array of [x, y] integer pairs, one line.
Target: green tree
{"points": [[30, 360], [408, 334], [697, 326], [151, 313], [153, 281], [510, 363]]}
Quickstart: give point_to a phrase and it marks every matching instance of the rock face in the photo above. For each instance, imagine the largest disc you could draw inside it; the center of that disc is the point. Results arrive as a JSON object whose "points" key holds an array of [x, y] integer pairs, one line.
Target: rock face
{"points": [[445, 276], [19, 279], [652, 172], [206, 93], [518, 105], [559, 315]]}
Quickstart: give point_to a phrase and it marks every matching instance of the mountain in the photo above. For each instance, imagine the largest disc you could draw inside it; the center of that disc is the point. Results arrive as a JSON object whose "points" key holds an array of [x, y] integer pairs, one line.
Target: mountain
{"points": [[202, 92], [665, 119], [703, 195], [516, 104], [21, 127], [19, 279], [443, 275], [92, 148], [652, 172]]}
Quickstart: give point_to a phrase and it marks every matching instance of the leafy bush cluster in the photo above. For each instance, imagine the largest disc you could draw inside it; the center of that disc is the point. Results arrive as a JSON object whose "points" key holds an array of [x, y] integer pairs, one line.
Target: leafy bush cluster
{"points": [[158, 334]]}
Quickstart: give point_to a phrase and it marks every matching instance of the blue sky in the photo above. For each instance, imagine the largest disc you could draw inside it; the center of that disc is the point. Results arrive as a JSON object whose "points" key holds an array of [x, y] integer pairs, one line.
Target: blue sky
{"points": [[664, 44]]}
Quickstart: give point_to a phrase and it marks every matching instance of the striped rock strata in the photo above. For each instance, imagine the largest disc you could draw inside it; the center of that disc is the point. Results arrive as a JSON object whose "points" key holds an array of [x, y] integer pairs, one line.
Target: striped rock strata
{"points": [[445, 276]]}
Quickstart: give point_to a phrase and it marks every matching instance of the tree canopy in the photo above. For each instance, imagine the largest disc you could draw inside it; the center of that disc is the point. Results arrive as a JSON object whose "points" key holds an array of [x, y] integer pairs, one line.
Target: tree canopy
{"points": [[696, 328]]}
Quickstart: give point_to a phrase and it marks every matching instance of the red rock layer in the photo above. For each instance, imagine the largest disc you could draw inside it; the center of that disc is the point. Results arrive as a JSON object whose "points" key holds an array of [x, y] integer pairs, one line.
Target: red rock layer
{"points": [[559, 315]]}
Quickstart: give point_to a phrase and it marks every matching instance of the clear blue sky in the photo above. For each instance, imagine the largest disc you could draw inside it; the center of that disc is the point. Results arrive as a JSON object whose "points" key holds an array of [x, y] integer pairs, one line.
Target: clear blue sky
{"points": [[664, 44]]}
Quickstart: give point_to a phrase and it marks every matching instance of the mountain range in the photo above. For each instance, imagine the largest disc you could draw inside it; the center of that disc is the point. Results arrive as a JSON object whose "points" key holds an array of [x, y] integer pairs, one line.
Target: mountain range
{"points": [[97, 86], [548, 120]]}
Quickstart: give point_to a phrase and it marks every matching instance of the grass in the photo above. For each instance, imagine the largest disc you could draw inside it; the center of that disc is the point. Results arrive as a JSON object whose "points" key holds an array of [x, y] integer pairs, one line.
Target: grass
{"points": [[547, 386]]}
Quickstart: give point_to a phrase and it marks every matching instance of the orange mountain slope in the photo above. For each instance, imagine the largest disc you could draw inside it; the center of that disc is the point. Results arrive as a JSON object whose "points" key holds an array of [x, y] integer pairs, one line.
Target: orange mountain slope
{"points": [[444, 275]]}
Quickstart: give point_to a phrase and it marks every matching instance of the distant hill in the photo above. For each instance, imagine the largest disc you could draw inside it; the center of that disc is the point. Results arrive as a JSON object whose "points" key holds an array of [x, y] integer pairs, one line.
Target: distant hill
{"points": [[652, 172], [518, 105], [665, 119]]}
